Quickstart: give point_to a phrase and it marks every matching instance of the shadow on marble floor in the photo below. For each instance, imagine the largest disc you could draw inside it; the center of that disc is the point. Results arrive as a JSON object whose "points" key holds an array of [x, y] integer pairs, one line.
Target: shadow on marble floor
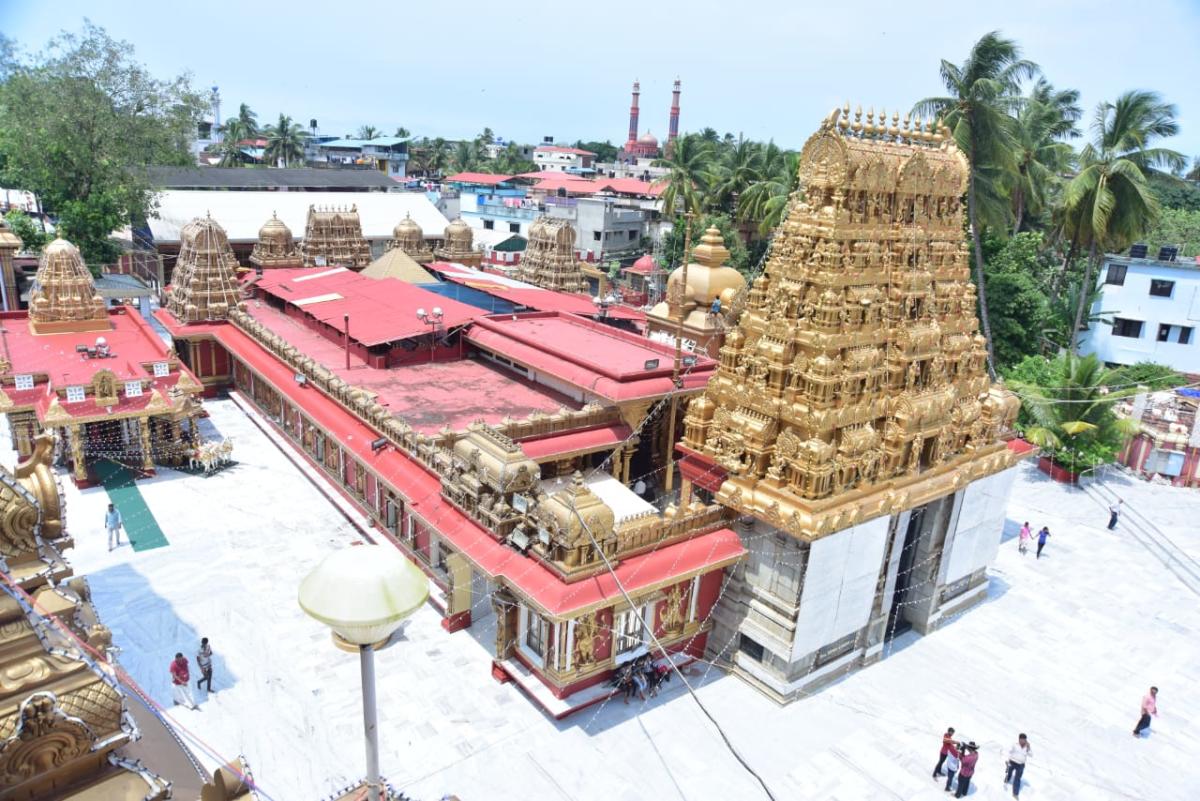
{"points": [[149, 633]]}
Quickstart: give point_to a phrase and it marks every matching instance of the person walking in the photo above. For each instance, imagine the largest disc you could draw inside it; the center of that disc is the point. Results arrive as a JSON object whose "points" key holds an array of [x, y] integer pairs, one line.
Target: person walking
{"points": [[952, 766], [969, 757], [1024, 537], [1017, 756], [1043, 535], [204, 662], [179, 679], [113, 523], [947, 745], [1149, 707], [1114, 512]]}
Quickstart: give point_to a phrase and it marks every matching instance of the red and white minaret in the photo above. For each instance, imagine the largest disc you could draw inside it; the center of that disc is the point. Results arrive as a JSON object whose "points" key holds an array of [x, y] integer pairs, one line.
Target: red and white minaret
{"points": [[673, 126], [633, 116]]}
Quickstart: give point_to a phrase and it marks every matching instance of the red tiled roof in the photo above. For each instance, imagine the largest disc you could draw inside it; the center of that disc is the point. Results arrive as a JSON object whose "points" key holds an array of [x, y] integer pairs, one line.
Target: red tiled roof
{"points": [[484, 178], [423, 490], [529, 296], [381, 310], [630, 186], [557, 149], [594, 357], [574, 442], [553, 182]]}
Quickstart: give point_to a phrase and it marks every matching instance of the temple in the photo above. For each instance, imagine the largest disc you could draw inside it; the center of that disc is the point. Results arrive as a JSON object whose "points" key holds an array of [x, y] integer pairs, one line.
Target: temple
{"points": [[550, 261], [706, 307], [408, 237], [850, 422], [334, 237], [10, 243], [102, 379], [498, 453], [458, 245], [275, 247]]}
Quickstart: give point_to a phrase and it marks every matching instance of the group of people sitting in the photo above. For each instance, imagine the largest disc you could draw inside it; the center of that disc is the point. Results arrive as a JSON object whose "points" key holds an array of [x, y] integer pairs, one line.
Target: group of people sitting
{"points": [[641, 676]]}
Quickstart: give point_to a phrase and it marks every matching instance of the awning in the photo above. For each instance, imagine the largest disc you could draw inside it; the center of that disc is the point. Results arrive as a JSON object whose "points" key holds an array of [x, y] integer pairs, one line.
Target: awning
{"points": [[576, 443]]}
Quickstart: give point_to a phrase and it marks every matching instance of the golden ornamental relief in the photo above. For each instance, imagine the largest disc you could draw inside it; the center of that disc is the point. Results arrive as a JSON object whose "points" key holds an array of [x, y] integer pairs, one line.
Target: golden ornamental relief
{"points": [[45, 738], [587, 633]]}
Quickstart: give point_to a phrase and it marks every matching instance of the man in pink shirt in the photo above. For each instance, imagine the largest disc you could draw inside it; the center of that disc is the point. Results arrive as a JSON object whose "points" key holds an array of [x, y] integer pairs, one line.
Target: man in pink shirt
{"points": [[180, 686], [1149, 707]]}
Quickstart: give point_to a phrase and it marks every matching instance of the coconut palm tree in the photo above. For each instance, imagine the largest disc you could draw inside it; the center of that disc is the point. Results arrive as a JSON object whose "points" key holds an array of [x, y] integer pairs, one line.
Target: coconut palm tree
{"points": [[230, 150], [467, 155], [689, 175], [439, 157], [983, 93], [1041, 156], [285, 142], [1109, 202], [402, 132], [733, 171], [765, 199], [368, 132], [1072, 416], [248, 121]]}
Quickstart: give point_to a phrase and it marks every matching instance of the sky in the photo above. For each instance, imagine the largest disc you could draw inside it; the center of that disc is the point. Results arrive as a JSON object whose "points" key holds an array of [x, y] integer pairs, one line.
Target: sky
{"points": [[530, 69]]}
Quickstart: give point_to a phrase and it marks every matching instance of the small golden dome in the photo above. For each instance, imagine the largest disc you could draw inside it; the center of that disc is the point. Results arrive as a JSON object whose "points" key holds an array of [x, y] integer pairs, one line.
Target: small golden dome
{"points": [[459, 232], [275, 229], [407, 229]]}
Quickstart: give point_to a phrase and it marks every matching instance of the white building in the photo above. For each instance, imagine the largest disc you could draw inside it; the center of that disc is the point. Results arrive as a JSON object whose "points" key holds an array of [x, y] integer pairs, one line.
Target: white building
{"points": [[1150, 302], [553, 158]]}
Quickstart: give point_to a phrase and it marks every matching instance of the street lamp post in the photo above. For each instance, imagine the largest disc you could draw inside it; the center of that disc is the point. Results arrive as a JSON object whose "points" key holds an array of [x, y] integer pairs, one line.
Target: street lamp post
{"points": [[432, 319], [363, 593]]}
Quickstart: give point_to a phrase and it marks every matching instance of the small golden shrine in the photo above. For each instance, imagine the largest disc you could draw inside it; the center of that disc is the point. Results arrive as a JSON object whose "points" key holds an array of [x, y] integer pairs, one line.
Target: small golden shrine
{"points": [[275, 247], [458, 245], [409, 237], [710, 301], [10, 243], [333, 237], [64, 296], [854, 383], [204, 286], [549, 260]]}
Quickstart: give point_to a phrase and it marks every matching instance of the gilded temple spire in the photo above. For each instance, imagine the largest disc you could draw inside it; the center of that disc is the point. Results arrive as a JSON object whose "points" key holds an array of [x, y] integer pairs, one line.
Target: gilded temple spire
{"points": [[64, 296]]}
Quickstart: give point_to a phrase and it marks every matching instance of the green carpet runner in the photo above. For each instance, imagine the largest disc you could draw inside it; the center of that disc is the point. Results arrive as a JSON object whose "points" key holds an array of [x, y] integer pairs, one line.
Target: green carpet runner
{"points": [[140, 526]]}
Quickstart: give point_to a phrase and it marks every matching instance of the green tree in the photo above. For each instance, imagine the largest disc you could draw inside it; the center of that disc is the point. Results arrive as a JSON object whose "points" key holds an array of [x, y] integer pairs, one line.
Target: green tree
{"points": [[33, 237], [605, 151], [230, 150], [1016, 270], [689, 175], [736, 168], [285, 142], [765, 199], [1109, 202], [673, 242], [368, 132], [402, 132], [467, 156], [80, 122], [983, 93], [246, 122], [1173, 193], [486, 136], [1070, 411], [1177, 227], [1044, 118]]}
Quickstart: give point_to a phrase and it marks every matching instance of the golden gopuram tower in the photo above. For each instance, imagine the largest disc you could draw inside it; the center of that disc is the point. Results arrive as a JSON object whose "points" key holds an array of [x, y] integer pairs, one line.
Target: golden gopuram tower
{"points": [[409, 237], [851, 400], [64, 296], [549, 260], [204, 286], [458, 245], [707, 304], [333, 237], [275, 247]]}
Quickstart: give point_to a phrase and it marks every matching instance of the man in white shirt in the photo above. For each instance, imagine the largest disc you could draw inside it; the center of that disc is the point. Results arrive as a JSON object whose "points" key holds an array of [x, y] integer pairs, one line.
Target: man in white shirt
{"points": [[1114, 512], [113, 522], [1017, 755]]}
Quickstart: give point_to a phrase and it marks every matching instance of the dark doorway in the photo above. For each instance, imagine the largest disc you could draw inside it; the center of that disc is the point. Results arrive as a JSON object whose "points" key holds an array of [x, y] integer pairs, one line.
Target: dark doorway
{"points": [[897, 621]]}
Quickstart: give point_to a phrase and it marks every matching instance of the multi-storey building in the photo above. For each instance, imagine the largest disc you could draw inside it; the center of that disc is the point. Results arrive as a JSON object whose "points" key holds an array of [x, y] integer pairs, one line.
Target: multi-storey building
{"points": [[1148, 310], [556, 158]]}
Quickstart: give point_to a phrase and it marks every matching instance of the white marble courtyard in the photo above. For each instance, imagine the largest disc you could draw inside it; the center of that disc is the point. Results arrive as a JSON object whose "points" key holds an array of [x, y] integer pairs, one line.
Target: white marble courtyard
{"points": [[1063, 650]]}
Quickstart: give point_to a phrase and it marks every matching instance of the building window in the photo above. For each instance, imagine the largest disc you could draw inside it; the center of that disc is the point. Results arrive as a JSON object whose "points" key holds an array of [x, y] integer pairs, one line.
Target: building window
{"points": [[750, 648], [489, 224], [596, 235], [535, 632], [1116, 274], [75, 394], [629, 629], [1164, 332], [1127, 328], [632, 235], [1185, 334], [514, 228], [1160, 288]]}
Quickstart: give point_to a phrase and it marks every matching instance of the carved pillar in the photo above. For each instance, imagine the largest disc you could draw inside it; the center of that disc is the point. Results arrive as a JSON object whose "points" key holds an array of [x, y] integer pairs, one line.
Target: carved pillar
{"points": [[147, 447], [458, 598], [685, 494], [504, 604], [77, 453]]}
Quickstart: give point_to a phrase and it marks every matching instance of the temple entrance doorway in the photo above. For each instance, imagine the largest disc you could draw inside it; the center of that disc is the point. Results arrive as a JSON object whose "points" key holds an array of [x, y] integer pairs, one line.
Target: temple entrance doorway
{"points": [[898, 622], [481, 595]]}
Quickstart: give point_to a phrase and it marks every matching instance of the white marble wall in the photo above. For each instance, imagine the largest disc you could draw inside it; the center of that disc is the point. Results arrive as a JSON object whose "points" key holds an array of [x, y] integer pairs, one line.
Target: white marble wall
{"points": [[979, 525], [839, 585]]}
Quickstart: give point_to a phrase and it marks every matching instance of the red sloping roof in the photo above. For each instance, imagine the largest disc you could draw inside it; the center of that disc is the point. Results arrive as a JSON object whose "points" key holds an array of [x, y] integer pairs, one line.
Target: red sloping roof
{"points": [[557, 149], [423, 491], [575, 186], [630, 186], [484, 178], [381, 310], [592, 439], [591, 356]]}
